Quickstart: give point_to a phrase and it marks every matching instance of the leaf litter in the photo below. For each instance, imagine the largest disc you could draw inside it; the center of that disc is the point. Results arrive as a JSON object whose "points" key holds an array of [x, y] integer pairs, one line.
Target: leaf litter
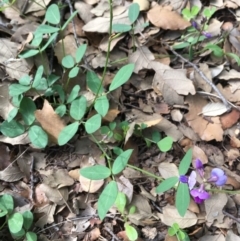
{"points": [[165, 94]]}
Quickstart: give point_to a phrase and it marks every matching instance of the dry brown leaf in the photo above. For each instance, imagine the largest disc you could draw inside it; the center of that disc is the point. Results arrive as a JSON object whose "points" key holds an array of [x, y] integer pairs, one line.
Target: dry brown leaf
{"points": [[214, 207], [92, 235], [19, 140], [84, 11], [230, 119], [50, 121], [229, 75], [226, 91], [206, 130], [167, 170], [125, 186], [200, 154], [143, 4], [164, 18], [199, 82], [16, 68], [11, 174], [90, 186], [170, 216], [217, 237], [74, 174]]}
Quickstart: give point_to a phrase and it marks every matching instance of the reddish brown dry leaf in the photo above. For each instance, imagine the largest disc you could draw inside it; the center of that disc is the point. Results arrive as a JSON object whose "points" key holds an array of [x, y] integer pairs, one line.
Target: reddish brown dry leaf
{"points": [[50, 121], [234, 141], [207, 130], [92, 235], [164, 18], [229, 119]]}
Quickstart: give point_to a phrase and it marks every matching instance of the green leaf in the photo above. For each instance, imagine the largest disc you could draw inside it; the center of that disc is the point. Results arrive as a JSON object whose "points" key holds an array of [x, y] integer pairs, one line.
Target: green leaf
{"points": [[44, 29], [38, 75], [28, 53], [74, 94], [38, 136], [53, 14], [234, 56], [7, 203], [121, 161], [15, 222], [133, 12], [187, 14], [17, 89], [27, 219], [166, 184], [107, 199], [61, 110], [19, 234], [31, 236], [216, 50], [52, 79], [68, 62], [67, 133], [60, 91], [102, 105], [172, 231], [121, 28], [181, 235], [16, 100], [93, 124], [37, 39], [94, 83], [25, 80], [121, 202], [182, 198], [40, 84], [52, 37], [69, 20], [78, 108], [97, 172], [122, 76], [156, 136], [12, 128], [112, 125], [73, 72], [165, 144], [208, 12], [80, 52], [181, 45], [131, 232], [3, 211], [195, 10], [132, 209], [185, 163], [12, 114], [27, 109]]}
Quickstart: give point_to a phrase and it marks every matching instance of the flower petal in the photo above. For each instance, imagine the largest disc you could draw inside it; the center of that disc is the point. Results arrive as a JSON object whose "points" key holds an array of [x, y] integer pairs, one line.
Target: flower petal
{"points": [[221, 180], [217, 172], [198, 164], [192, 180]]}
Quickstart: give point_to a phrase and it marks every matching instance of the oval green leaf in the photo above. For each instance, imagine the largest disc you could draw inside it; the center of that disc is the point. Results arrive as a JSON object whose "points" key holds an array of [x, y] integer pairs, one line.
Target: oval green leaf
{"points": [[38, 136], [6, 201], [53, 14], [93, 124], [31, 236], [121, 28], [185, 163], [78, 108], [15, 222], [25, 80], [28, 53], [27, 219], [166, 184], [17, 89], [121, 202], [61, 110], [133, 12], [182, 198], [121, 161], [131, 232], [44, 29], [94, 83], [67, 133], [12, 128], [73, 72], [107, 199], [122, 76], [102, 105], [165, 144], [80, 52], [27, 109], [97, 172], [74, 94], [68, 61], [12, 114]]}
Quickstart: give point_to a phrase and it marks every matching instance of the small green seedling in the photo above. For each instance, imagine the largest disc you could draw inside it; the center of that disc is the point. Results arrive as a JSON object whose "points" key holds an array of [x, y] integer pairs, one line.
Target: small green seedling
{"points": [[175, 230], [18, 223]]}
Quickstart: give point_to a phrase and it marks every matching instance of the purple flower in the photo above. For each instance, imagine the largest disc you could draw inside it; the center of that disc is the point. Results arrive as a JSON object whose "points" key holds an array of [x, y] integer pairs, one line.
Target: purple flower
{"points": [[218, 177], [199, 167], [192, 180], [183, 179], [194, 24], [206, 34], [200, 194]]}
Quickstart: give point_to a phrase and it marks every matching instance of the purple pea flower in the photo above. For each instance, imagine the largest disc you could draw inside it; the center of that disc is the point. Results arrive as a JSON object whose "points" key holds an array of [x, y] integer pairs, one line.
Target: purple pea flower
{"points": [[200, 194], [206, 34], [218, 177], [199, 167], [192, 180], [183, 179], [194, 24]]}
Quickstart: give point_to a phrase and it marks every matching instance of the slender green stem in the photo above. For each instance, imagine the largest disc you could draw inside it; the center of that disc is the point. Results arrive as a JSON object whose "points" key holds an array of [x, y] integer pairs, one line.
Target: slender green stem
{"points": [[145, 172], [222, 191], [3, 224]]}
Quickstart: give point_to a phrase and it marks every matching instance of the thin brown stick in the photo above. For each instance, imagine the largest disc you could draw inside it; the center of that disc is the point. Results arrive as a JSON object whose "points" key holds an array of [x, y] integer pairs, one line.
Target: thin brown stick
{"points": [[223, 99], [112, 234], [231, 216]]}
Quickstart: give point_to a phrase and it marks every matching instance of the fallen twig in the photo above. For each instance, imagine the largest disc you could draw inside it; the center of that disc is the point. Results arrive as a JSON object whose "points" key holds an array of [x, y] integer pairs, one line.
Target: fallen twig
{"points": [[223, 99]]}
